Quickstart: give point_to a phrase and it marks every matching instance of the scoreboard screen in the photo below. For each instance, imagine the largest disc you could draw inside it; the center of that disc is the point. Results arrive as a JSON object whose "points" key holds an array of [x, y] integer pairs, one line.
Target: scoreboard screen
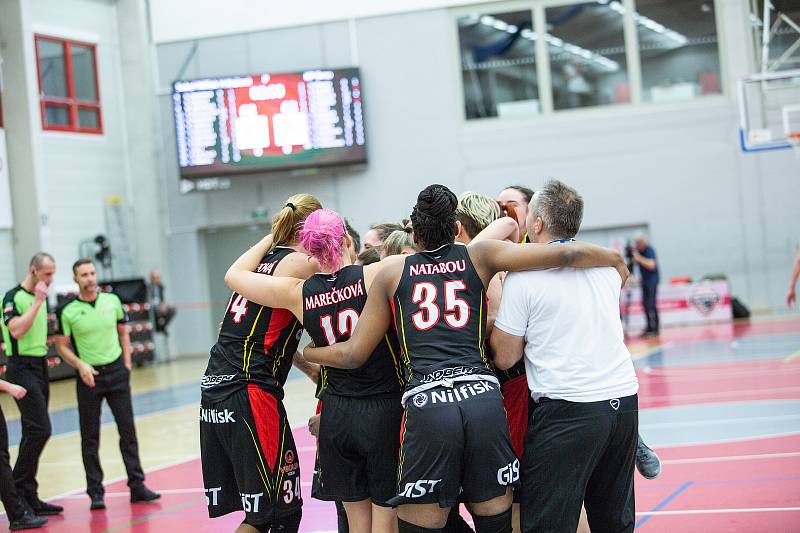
{"points": [[266, 122]]}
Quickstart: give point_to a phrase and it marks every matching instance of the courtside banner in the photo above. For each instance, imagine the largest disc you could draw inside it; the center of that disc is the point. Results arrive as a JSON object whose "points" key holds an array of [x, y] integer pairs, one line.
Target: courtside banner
{"points": [[5, 189], [693, 303]]}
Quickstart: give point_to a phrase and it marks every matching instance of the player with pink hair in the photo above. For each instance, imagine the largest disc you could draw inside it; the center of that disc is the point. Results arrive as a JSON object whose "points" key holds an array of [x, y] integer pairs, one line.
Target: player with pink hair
{"points": [[359, 427]]}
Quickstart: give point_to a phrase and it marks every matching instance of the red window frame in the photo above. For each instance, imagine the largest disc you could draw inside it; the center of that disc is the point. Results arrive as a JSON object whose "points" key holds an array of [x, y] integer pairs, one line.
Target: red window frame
{"points": [[71, 103]]}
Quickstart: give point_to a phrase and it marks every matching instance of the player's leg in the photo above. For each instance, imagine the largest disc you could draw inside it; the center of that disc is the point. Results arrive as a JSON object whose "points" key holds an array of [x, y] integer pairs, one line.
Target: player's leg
{"points": [[430, 462], [267, 469], [359, 516], [516, 396], [376, 426], [491, 468]]}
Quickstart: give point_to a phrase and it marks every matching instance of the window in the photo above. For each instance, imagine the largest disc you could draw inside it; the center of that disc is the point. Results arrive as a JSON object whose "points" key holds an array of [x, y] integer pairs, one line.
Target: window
{"points": [[68, 88], [586, 44], [678, 49], [498, 65]]}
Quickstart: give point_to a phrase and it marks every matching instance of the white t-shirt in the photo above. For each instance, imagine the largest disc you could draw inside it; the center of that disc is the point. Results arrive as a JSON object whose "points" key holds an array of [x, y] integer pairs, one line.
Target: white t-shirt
{"points": [[574, 347]]}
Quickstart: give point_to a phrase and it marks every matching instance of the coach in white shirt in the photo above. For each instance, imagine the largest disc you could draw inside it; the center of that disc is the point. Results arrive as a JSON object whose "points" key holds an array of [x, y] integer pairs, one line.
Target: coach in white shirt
{"points": [[582, 435]]}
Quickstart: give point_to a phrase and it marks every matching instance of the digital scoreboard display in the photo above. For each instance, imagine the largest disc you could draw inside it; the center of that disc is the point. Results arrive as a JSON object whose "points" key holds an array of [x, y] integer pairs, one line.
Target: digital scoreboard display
{"points": [[266, 122]]}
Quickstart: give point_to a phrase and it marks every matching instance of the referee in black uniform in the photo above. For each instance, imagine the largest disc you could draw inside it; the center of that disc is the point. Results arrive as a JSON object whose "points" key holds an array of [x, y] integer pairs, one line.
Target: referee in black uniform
{"points": [[25, 335], [95, 323]]}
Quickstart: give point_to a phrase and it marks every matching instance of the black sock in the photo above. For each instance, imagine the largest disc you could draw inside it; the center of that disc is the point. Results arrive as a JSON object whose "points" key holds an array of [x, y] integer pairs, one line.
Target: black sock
{"points": [[499, 523], [405, 527]]}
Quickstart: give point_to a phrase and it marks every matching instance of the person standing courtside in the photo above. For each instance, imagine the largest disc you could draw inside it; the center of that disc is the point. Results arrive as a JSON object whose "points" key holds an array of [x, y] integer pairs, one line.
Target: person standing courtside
{"points": [[645, 257], [25, 336], [19, 516], [101, 353], [581, 439]]}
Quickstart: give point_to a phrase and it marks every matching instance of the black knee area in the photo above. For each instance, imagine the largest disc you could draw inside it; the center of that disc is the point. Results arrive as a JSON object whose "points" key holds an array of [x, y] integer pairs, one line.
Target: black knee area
{"points": [[405, 527], [261, 527], [287, 524], [456, 523], [341, 518], [499, 523]]}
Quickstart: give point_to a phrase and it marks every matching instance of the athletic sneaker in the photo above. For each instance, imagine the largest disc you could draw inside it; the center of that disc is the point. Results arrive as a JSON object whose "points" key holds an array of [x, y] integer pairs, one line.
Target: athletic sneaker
{"points": [[647, 462], [41, 508], [97, 502], [143, 494], [27, 521]]}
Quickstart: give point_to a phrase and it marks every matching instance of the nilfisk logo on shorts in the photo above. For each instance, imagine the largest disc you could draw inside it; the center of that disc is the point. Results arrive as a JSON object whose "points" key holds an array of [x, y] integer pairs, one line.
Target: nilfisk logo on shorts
{"points": [[251, 503], [509, 474], [212, 496], [214, 416], [447, 395], [212, 381], [447, 373], [420, 488]]}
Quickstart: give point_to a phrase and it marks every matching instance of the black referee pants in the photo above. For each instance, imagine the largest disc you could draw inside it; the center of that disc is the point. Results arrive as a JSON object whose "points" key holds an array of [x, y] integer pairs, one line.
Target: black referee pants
{"points": [[576, 454], [113, 384], [30, 372], [8, 492]]}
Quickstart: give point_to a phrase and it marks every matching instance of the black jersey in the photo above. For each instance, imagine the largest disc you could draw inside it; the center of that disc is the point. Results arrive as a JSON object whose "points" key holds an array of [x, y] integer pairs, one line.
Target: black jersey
{"points": [[256, 344], [439, 312], [332, 304]]}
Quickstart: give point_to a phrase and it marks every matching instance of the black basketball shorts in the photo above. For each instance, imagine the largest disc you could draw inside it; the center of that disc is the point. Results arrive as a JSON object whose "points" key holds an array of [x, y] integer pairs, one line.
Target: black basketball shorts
{"points": [[359, 439], [249, 457], [455, 441]]}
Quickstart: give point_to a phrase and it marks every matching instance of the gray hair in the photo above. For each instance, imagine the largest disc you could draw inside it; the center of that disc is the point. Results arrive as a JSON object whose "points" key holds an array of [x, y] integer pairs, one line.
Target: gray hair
{"points": [[38, 259], [560, 208]]}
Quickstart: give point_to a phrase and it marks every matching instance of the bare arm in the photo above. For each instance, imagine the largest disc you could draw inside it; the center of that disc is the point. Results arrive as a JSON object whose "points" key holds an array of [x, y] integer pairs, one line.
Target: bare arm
{"points": [[375, 320], [309, 369], [125, 342], [19, 325], [507, 348], [490, 257], [85, 370], [502, 229], [17, 391], [791, 297], [649, 264], [272, 291]]}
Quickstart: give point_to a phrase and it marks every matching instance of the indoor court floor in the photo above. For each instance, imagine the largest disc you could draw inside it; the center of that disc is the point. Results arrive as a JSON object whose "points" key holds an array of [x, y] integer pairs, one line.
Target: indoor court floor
{"points": [[719, 403]]}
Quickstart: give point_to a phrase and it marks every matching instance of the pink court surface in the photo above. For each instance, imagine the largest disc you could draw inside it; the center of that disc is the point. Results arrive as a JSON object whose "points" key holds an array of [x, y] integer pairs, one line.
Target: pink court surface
{"points": [[720, 404]]}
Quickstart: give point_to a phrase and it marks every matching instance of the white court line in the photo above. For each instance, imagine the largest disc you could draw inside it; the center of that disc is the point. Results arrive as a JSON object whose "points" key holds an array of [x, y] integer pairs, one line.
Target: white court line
{"points": [[721, 459], [722, 421], [718, 511]]}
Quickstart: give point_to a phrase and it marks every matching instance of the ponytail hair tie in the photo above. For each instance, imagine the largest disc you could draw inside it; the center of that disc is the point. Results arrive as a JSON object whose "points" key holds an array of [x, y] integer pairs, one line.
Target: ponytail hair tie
{"points": [[290, 205]]}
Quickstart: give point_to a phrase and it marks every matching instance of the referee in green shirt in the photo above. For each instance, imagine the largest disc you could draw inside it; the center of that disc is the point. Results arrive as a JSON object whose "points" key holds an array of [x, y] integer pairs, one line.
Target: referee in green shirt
{"points": [[101, 353], [25, 335]]}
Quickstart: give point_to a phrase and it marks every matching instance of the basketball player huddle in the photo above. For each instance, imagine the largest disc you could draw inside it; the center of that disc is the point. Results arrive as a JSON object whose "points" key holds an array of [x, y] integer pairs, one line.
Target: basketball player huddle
{"points": [[415, 417]]}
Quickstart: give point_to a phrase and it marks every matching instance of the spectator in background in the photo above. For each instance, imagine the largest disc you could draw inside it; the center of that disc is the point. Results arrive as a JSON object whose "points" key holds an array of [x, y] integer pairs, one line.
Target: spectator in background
{"points": [[645, 257], [791, 297], [25, 335], [377, 234], [19, 516], [163, 312]]}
